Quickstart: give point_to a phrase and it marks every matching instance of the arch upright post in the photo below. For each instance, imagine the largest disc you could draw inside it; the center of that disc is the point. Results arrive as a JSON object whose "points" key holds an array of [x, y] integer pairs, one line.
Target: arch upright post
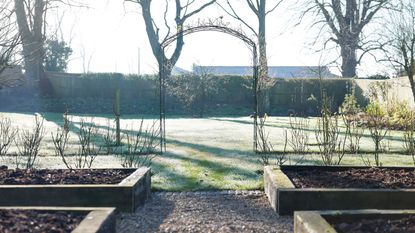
{"points": [[162, 90], [255, 88]]}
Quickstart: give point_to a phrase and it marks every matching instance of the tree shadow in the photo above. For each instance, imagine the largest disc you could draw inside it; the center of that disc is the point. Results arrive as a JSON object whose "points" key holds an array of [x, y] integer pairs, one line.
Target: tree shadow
{"points": [[147, 218]]}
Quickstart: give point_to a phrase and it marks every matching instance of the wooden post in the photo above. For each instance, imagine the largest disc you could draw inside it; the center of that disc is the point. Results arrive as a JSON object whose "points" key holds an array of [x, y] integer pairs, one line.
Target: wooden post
{"points": [[117, 115]]}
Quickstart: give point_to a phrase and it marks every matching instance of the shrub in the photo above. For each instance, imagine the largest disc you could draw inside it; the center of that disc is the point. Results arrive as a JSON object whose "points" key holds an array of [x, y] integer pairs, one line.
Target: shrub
{"points": [[376, 124], [110, 139], [7, 135], [350, 105], [299, 136], [28, 144], [399, 114], [264, 146], [60, 140], [331, 145], [354, 132], [378, 77], [142, 145], [87, 150]]}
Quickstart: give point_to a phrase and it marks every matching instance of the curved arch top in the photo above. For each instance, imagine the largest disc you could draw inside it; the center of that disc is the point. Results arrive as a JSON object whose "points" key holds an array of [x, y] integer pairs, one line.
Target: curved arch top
{"points": [[211, 28]]}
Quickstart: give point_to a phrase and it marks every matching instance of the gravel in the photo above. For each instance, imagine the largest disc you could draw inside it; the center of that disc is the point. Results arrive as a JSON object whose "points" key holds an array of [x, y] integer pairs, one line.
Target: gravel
{"points": [[219, 211]]}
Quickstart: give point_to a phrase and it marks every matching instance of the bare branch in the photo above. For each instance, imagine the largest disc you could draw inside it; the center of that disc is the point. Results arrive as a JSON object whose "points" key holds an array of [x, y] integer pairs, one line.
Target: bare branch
{"points": [[232, 13], [274, 7]]}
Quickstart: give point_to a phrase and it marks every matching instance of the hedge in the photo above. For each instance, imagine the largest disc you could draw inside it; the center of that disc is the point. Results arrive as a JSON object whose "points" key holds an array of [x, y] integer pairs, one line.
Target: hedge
{"points": [[223, 95]]}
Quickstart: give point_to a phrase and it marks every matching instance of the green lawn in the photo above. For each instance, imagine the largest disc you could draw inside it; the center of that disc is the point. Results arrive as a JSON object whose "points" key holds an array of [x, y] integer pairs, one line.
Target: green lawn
{"points": [[208, 153]]}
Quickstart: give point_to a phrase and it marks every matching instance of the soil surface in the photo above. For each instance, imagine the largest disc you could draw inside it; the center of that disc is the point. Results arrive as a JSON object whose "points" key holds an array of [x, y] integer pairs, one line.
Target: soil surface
{"points": [[376, 225], [61, 176], [214, 211], [369, 178], [39, 221]]}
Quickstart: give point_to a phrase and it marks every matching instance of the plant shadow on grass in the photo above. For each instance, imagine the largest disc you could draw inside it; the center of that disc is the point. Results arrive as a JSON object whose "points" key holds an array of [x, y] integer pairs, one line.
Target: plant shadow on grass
{"points": [[310, 130], [99, 138]]}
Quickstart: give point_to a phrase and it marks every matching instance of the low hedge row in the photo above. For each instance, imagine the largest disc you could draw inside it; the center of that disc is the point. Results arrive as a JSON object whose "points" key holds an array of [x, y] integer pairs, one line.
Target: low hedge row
{"points": [[187, 94]]}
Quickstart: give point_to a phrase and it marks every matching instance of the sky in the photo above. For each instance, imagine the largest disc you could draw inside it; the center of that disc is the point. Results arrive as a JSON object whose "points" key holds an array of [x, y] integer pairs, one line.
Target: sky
{"points": [[109, 36]]}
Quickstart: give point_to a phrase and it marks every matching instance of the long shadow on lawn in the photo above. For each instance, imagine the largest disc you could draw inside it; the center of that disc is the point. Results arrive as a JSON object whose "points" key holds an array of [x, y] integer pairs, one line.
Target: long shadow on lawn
{"points": [[229, 153], [199, 173], [179, 181]]}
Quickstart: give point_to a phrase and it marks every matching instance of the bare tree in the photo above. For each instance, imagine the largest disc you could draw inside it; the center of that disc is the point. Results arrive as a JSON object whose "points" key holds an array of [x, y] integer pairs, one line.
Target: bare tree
{"points": [[182, 12], [86, 59], [401, 36], [31, 21], [30, 15], [8, 37], [346, 20]]}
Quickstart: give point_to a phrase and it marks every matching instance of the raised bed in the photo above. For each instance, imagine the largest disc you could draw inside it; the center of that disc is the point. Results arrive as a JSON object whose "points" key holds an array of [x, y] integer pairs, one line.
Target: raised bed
{"points": [[126, 195], [60, 219], [351, 221], [286, 198]]}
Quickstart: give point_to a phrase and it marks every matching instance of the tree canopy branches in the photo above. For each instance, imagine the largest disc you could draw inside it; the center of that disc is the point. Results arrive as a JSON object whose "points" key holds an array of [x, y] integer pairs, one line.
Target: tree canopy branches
{"points": [[346, 20], [182, 12]]}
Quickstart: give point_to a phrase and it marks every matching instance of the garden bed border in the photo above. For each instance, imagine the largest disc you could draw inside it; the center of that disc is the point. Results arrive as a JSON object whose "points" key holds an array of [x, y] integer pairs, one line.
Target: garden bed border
{"points": [[285, 198], [98, 220], [126, 196], [314, 221]]}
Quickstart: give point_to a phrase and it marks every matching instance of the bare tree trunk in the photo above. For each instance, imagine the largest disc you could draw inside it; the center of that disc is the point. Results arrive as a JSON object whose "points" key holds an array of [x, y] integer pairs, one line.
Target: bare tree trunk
{"points": [[262, 42], [349, 60], [263, 61], [32, 37], [411, 80], [182, 13], [33, 57]]}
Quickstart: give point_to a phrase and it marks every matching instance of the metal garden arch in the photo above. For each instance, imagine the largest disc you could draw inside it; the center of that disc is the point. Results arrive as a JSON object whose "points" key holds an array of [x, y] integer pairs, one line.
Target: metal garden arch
{"points": [[209, 27]]}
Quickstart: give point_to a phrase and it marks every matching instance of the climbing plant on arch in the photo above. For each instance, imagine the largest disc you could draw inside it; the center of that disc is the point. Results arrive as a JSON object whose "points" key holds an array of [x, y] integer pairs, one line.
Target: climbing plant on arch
{"points": [[210, 26]]}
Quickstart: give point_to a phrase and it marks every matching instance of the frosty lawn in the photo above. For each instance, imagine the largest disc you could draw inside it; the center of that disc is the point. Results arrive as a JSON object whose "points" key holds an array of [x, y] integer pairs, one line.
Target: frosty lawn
{"points": [[203, 154]]}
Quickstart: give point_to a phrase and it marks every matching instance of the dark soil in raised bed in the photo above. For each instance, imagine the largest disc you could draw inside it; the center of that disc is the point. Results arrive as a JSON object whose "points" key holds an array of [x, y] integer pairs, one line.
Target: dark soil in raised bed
{"points": [[369, 178], [39, 221], [61, 176], [375, 225]]}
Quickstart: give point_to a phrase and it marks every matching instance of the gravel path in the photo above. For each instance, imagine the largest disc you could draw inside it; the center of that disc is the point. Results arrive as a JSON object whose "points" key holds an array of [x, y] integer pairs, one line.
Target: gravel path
{"points": [[225, 211]]}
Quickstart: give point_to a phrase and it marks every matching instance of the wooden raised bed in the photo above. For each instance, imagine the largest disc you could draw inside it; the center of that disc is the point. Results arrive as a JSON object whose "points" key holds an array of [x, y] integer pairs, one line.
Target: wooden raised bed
{"points": [[285, 198], [97, 220], [321, 221], [125, 196]]}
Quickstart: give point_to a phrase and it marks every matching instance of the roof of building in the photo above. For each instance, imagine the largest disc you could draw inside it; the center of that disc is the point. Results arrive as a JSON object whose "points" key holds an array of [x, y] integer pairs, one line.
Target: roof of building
{"points": [[179, 71], [273, 71]]}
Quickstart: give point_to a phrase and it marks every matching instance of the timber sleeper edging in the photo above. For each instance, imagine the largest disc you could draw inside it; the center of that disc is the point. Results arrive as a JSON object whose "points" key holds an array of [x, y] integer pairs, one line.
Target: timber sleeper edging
{"points": [[126, 196], [97, 220], [285, 198], [316, 221]]}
